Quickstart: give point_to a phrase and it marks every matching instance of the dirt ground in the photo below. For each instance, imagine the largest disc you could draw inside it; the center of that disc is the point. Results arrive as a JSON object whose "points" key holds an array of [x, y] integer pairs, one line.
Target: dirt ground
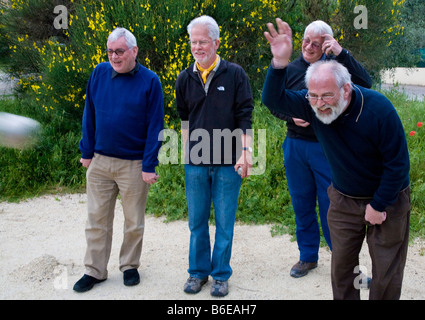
{"points": [[43, 245]]}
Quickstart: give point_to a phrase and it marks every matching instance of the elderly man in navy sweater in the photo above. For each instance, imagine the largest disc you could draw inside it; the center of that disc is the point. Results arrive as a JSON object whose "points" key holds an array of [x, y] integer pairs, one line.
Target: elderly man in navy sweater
{"points": [[364, 141], [122, 120], [307, 170]]}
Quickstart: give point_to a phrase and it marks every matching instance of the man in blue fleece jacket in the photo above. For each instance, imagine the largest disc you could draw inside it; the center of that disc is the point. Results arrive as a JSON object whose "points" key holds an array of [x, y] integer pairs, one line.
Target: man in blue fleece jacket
{"points": [[364, 141], [122, 120]]}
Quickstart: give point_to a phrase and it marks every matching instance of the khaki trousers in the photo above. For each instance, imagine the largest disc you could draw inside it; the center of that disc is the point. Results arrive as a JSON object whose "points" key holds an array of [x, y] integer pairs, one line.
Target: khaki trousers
{"points": [[388, 244], [106, 178]]}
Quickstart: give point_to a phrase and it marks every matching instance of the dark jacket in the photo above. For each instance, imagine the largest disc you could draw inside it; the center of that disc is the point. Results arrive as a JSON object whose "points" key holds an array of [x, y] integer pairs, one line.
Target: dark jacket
{"points": [[226, 107]]}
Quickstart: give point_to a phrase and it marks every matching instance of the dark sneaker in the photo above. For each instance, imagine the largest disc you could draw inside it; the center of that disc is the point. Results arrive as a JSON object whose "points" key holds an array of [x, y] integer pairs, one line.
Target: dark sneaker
{"points": [[86, 283], [301, 268], [131, 277], [219, 288], [194, 285]]}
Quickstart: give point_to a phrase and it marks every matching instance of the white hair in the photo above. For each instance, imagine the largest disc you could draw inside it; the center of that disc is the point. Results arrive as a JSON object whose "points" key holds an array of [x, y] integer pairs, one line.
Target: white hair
{"points": [[341, 74], [318, 27], [118, 33], [209, 22]]}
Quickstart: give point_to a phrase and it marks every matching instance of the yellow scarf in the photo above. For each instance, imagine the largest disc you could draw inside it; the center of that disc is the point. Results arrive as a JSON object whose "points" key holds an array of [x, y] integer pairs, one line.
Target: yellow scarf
{"points": [[206, 72]]}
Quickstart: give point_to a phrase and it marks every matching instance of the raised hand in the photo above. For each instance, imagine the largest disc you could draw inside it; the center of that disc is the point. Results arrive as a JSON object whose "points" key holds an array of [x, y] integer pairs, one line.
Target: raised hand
{"points": [[280, 42], [330, 45]]}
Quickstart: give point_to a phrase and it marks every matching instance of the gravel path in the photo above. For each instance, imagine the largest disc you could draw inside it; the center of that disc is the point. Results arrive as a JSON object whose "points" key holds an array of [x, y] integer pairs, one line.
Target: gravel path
{"points": [[43, 245]]}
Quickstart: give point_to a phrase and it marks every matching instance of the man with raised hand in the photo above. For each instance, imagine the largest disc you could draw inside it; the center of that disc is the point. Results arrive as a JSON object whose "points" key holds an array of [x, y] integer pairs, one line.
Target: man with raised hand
{"points": [[365, 144], [307, 170]]}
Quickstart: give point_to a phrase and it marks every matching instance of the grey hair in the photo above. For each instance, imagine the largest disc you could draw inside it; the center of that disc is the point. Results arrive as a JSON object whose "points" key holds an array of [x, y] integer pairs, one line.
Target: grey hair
{"points": [[341, 74], [318, 27], [214, 29], [117, 33]]}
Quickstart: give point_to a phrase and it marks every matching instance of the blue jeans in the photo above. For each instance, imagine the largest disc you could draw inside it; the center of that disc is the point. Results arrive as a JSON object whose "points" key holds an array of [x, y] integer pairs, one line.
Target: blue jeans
{"points": [[220, 185], [309, 176]]}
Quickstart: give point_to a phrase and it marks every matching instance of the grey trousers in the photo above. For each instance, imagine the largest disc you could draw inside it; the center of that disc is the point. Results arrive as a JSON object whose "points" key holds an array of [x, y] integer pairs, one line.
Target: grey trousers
{"points": [[388, 244], [106, 178]]}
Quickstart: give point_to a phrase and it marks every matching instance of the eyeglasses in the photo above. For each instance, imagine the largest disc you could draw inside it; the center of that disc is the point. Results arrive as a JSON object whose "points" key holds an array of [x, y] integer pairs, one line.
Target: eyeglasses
{"points": [[118, 52], [315, 45], [202, 43], [326, 98]]}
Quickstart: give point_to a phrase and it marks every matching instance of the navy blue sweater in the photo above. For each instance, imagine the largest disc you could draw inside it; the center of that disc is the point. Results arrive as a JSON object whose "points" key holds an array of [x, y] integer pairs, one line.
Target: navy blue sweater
{"points": [[366, 146], [295, 81], [123, 115]]}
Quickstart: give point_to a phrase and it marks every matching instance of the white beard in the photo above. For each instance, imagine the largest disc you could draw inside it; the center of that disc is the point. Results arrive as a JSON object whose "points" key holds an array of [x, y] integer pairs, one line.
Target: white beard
{"points": [[336, 111]]}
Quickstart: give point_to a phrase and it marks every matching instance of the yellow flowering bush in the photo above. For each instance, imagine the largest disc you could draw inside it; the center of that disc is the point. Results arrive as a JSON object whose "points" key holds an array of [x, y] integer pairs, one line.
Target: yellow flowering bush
{"points": [[59, 65], [63, 65]]}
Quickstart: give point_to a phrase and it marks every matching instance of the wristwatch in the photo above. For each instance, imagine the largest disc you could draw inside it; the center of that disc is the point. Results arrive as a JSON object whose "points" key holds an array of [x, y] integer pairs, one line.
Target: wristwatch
{"points": [[249, 149]]}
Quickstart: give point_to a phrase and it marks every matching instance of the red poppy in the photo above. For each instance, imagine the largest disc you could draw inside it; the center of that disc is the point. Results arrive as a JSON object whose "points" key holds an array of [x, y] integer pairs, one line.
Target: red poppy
{"points": [[420, 124], [412, 133]]}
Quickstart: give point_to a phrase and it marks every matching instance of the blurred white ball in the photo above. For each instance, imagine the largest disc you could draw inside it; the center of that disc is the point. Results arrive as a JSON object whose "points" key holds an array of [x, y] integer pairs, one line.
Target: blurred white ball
{"points": [[17, 131]]}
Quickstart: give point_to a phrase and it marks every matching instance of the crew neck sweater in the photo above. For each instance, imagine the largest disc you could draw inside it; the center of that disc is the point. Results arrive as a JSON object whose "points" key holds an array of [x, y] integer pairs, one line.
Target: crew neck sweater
{"points": [[365, 146], [123, 115]]}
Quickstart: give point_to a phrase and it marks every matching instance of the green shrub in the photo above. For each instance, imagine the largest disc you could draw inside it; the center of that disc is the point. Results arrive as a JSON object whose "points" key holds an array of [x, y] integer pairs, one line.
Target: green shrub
{"points": [[50, 166], [413, 117], [55, 67]]}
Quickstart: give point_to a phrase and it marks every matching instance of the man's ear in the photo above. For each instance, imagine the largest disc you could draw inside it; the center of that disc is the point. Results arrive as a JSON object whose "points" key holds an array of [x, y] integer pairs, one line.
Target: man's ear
{"points": [[135, 50], [347, 90]]}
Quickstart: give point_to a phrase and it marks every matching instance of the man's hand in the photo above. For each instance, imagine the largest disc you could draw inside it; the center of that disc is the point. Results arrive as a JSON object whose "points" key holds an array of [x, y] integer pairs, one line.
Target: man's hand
{"points": [[330, 45], [280, 42], [85, 162], [301, 122], [150, 177], [245, 163], [374, 217]]}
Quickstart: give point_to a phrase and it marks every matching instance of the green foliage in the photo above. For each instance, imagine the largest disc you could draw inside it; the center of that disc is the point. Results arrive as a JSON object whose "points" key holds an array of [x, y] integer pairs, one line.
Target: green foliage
{"points": [[52, 165], [54, 65], [387, 42], [23, 23], [55, 68], [412, 115]]}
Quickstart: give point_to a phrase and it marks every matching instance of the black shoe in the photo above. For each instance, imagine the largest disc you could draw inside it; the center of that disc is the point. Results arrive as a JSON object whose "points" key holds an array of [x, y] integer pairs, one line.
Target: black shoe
{"points": [[86, 283], [131, 277], [301, 268]]}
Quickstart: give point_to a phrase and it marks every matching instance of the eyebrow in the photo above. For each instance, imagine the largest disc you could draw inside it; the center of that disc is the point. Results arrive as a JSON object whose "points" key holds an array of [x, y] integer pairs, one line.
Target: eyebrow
{"points": [[329, 92], [308, 39]]}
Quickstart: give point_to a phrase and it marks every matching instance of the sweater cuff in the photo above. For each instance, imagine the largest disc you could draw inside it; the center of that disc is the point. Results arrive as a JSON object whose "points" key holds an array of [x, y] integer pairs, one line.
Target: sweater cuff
{"points": [[87, 155], [377, 206], [148, 168], [342, 55], [277, 71]]}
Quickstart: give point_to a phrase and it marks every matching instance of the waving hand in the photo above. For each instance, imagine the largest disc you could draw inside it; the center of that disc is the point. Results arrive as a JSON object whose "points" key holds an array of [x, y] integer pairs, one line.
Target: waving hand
{"points": [[280, 42]]}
